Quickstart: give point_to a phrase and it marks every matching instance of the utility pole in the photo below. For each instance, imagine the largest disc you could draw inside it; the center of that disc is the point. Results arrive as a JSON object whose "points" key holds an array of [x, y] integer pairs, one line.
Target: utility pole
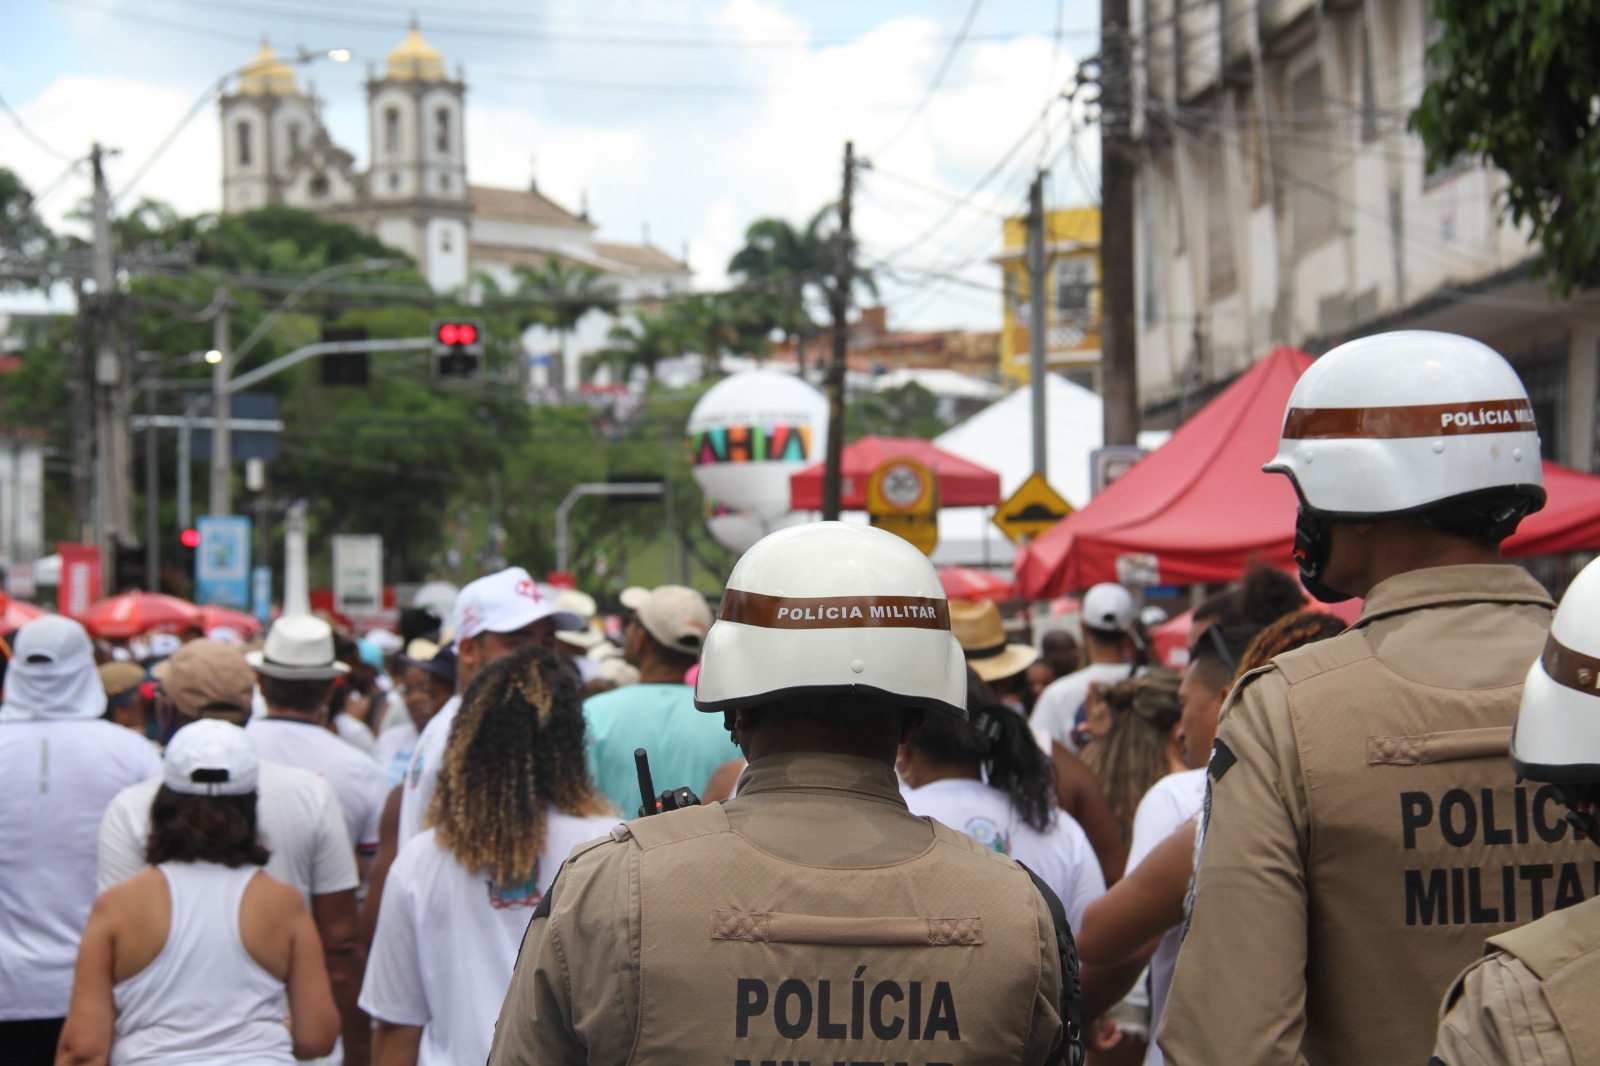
{"points": [[839, 304], [83, 423], [1037, 263], [114, 511], [1118, 172], [152, 495], [221, 410]]}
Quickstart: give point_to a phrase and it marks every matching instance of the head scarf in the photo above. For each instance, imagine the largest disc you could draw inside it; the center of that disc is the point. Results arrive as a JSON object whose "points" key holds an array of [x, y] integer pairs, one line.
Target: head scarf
{"points": [[52, 674]]}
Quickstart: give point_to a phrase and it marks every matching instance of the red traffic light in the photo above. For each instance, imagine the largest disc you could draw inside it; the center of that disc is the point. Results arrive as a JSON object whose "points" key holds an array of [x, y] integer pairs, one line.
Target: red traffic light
{"points": [[189, 538], [458, 333]]}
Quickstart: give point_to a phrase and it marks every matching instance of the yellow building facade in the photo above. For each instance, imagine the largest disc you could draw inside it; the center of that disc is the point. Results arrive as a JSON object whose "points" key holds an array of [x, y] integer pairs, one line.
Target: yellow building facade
{"points": [[1072, 310]]}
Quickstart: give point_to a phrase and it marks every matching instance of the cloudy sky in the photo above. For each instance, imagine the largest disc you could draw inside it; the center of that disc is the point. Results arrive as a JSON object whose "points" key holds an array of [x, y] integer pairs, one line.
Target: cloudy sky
{"points": [[689, 119]]}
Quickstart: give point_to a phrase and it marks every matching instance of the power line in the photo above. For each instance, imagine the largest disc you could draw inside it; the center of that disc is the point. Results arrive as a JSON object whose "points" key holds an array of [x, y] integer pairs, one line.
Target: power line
{"points": [[38, 141], [938, 78]]}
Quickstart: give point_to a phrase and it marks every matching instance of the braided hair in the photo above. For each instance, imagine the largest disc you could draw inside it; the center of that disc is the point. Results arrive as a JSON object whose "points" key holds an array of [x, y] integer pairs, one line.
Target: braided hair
{"points": [[997, 739], [1133, 755], [515, 750]]}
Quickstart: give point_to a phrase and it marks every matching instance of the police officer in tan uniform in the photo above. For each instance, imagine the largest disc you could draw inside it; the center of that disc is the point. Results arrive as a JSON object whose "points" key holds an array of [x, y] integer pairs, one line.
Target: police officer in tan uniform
{"points": [[1531, 1002], [812, 918], [1363, 834]]}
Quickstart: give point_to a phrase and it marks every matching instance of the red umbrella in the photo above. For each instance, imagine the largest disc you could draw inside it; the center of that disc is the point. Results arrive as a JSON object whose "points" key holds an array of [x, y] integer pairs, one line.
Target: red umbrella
{"points": [[14, 614], [133, 613], [215, 617], [961, 483], [970, 583]]}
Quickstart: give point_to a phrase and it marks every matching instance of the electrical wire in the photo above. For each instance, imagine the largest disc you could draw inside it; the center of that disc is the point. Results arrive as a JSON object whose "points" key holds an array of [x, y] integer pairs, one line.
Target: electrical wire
{"points": [[938, 79], [38, 142]]}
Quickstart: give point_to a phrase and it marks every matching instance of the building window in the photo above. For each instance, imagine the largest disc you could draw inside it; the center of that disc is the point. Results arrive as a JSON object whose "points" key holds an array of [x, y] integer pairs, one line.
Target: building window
{"points": [[394, 179], [1073, 280], [441, 130], [445, 243], [444, 183], [319, 186], [391, 129], [294, 138], [1312, 164], [1544, 375], [243, 133]]}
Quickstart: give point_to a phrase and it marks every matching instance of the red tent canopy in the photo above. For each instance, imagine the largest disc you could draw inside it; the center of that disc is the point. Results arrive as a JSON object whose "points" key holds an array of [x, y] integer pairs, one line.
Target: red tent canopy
{"points": [[961, 483], [969, 583], [1202, 508]]}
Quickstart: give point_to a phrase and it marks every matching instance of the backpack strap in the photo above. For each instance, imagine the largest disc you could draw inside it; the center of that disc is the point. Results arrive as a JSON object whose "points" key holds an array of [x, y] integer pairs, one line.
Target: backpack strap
{"points": [[1072, 1049]]}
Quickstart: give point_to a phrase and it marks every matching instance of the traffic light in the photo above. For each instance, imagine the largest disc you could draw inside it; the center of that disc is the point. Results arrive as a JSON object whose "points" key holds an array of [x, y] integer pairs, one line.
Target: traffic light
{"points": [[188, 543], [344, 368], [129, 572], [457, 347]]}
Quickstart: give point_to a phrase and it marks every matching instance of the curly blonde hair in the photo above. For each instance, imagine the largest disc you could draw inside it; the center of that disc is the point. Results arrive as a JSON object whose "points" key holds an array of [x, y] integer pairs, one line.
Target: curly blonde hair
{"points": [[515, 750], [1133, 755]]}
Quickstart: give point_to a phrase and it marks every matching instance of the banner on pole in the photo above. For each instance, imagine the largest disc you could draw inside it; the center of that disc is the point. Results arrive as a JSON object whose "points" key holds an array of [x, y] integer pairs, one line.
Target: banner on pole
{"points": [[80, 578], [222, 563], [357, 574]]}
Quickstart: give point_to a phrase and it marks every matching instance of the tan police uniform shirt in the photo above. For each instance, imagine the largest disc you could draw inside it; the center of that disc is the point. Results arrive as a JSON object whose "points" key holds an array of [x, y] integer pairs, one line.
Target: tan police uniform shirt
{"points": [[1365, 830], [810, 919], [1532, 1002]]}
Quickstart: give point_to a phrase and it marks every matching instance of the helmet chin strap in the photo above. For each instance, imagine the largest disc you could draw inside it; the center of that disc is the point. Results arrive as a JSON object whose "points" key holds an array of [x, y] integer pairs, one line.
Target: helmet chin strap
{"points": [[1311, 546]]}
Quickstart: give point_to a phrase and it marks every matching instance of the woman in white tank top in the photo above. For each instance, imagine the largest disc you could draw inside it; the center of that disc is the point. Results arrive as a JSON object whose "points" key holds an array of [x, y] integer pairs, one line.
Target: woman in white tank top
{"points": [[190, 960], [512, 800]]}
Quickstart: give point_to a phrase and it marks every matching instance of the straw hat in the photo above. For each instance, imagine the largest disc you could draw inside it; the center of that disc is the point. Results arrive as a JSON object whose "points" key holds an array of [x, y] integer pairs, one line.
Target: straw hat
{"points": [[977, 627]]}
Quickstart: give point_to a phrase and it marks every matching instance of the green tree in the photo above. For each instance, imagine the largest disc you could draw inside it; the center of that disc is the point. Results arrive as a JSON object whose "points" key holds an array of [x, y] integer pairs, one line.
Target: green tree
{"points": [[909, 411], [561, 294], [644, 340], [24, 237], [1514, 81]]}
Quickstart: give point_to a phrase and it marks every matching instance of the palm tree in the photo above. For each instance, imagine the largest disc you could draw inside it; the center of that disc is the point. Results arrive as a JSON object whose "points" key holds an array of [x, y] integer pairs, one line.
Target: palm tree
{"points": [[644, 341], [788, 267], [565, 292]]}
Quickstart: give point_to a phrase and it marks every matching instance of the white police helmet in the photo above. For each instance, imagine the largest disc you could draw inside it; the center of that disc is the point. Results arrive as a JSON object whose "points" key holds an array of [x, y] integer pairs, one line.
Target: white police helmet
{"points": [[1414, 422], [830, 609], [1557, 735]]}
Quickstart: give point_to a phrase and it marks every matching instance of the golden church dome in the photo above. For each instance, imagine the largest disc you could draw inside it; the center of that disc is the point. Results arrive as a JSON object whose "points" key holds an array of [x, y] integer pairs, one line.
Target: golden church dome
{"points": [[266, 74], [414, 59]]}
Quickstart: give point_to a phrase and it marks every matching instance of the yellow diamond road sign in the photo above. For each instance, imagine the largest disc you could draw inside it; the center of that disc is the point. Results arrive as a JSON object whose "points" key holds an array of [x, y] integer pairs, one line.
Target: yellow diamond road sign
{"points": [[1032, 510]]}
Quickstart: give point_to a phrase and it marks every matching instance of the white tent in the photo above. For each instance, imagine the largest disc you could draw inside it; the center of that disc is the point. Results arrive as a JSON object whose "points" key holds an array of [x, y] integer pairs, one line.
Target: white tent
{"points": [[1000, 437]]}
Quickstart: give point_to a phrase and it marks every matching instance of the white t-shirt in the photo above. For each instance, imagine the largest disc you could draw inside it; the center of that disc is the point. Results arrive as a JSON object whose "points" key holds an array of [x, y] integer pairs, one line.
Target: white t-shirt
{"points": [[296, 812], [56, 777], [424, 770], [1170, 803], [392, 752], [448, 938], [1057, 708], [355, 778], [1061, 855], [354, 732]]}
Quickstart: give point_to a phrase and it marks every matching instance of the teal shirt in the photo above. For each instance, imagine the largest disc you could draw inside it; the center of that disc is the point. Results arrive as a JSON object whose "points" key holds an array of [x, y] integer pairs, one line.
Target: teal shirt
{"points": [[685, 745]]}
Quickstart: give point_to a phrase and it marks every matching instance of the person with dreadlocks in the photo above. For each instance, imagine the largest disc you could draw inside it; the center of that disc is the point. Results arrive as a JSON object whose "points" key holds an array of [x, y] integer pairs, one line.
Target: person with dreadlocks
{"points": [[1142, 745], [513, 797], [987, 777]]}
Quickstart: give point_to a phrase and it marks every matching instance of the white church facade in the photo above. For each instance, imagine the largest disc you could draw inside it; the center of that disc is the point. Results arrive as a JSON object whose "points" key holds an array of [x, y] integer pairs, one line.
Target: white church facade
{"points": [[415, 194]]}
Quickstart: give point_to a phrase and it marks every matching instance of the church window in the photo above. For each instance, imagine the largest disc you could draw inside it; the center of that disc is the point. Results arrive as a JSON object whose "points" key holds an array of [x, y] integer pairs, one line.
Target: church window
{"points": [[391, 129], [394, 179], [441, 130], [294, 137], [444, 183], [445, 243], [244, 143], [319, 186]]}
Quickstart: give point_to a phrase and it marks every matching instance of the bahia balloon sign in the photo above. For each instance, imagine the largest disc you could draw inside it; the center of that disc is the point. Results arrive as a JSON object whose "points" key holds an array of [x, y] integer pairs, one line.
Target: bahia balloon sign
{"points": [[746, 436]]}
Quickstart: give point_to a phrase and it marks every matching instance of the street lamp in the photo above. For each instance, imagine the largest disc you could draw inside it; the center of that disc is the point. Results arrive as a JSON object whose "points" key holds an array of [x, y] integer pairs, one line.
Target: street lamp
{"points": [[222, 368]]}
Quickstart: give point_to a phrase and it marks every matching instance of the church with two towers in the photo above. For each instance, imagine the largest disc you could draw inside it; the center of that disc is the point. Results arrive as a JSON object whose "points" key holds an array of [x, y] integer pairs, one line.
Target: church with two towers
{"points": [[414, 193]]}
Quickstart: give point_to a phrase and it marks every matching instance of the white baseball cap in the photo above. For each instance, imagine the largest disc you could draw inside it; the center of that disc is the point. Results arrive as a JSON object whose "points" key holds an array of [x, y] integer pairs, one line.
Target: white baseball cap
{"points": [[1109, 608], [505, 602], [211, 758]]}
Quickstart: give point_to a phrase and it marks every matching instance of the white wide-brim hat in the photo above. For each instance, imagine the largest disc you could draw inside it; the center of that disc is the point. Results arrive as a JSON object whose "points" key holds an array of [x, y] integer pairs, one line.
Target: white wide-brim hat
{"points": [[299, 647]]}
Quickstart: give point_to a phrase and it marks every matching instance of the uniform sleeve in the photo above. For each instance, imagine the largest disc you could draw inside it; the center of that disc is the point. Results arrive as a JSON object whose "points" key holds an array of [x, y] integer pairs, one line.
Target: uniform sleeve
{"points": [[392, 989], [1238, 992], [555, 1013], [1497, 1015], [120, 849], [333, 861]]}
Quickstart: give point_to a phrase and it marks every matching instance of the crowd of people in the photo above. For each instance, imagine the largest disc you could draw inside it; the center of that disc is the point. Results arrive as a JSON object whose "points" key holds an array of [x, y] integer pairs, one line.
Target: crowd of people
{"points": [[923, 824]]}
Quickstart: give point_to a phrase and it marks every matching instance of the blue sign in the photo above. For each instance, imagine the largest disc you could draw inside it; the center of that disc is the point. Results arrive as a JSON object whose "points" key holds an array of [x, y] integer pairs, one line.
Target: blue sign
{"points": [[261, 593], [222, 563]]}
